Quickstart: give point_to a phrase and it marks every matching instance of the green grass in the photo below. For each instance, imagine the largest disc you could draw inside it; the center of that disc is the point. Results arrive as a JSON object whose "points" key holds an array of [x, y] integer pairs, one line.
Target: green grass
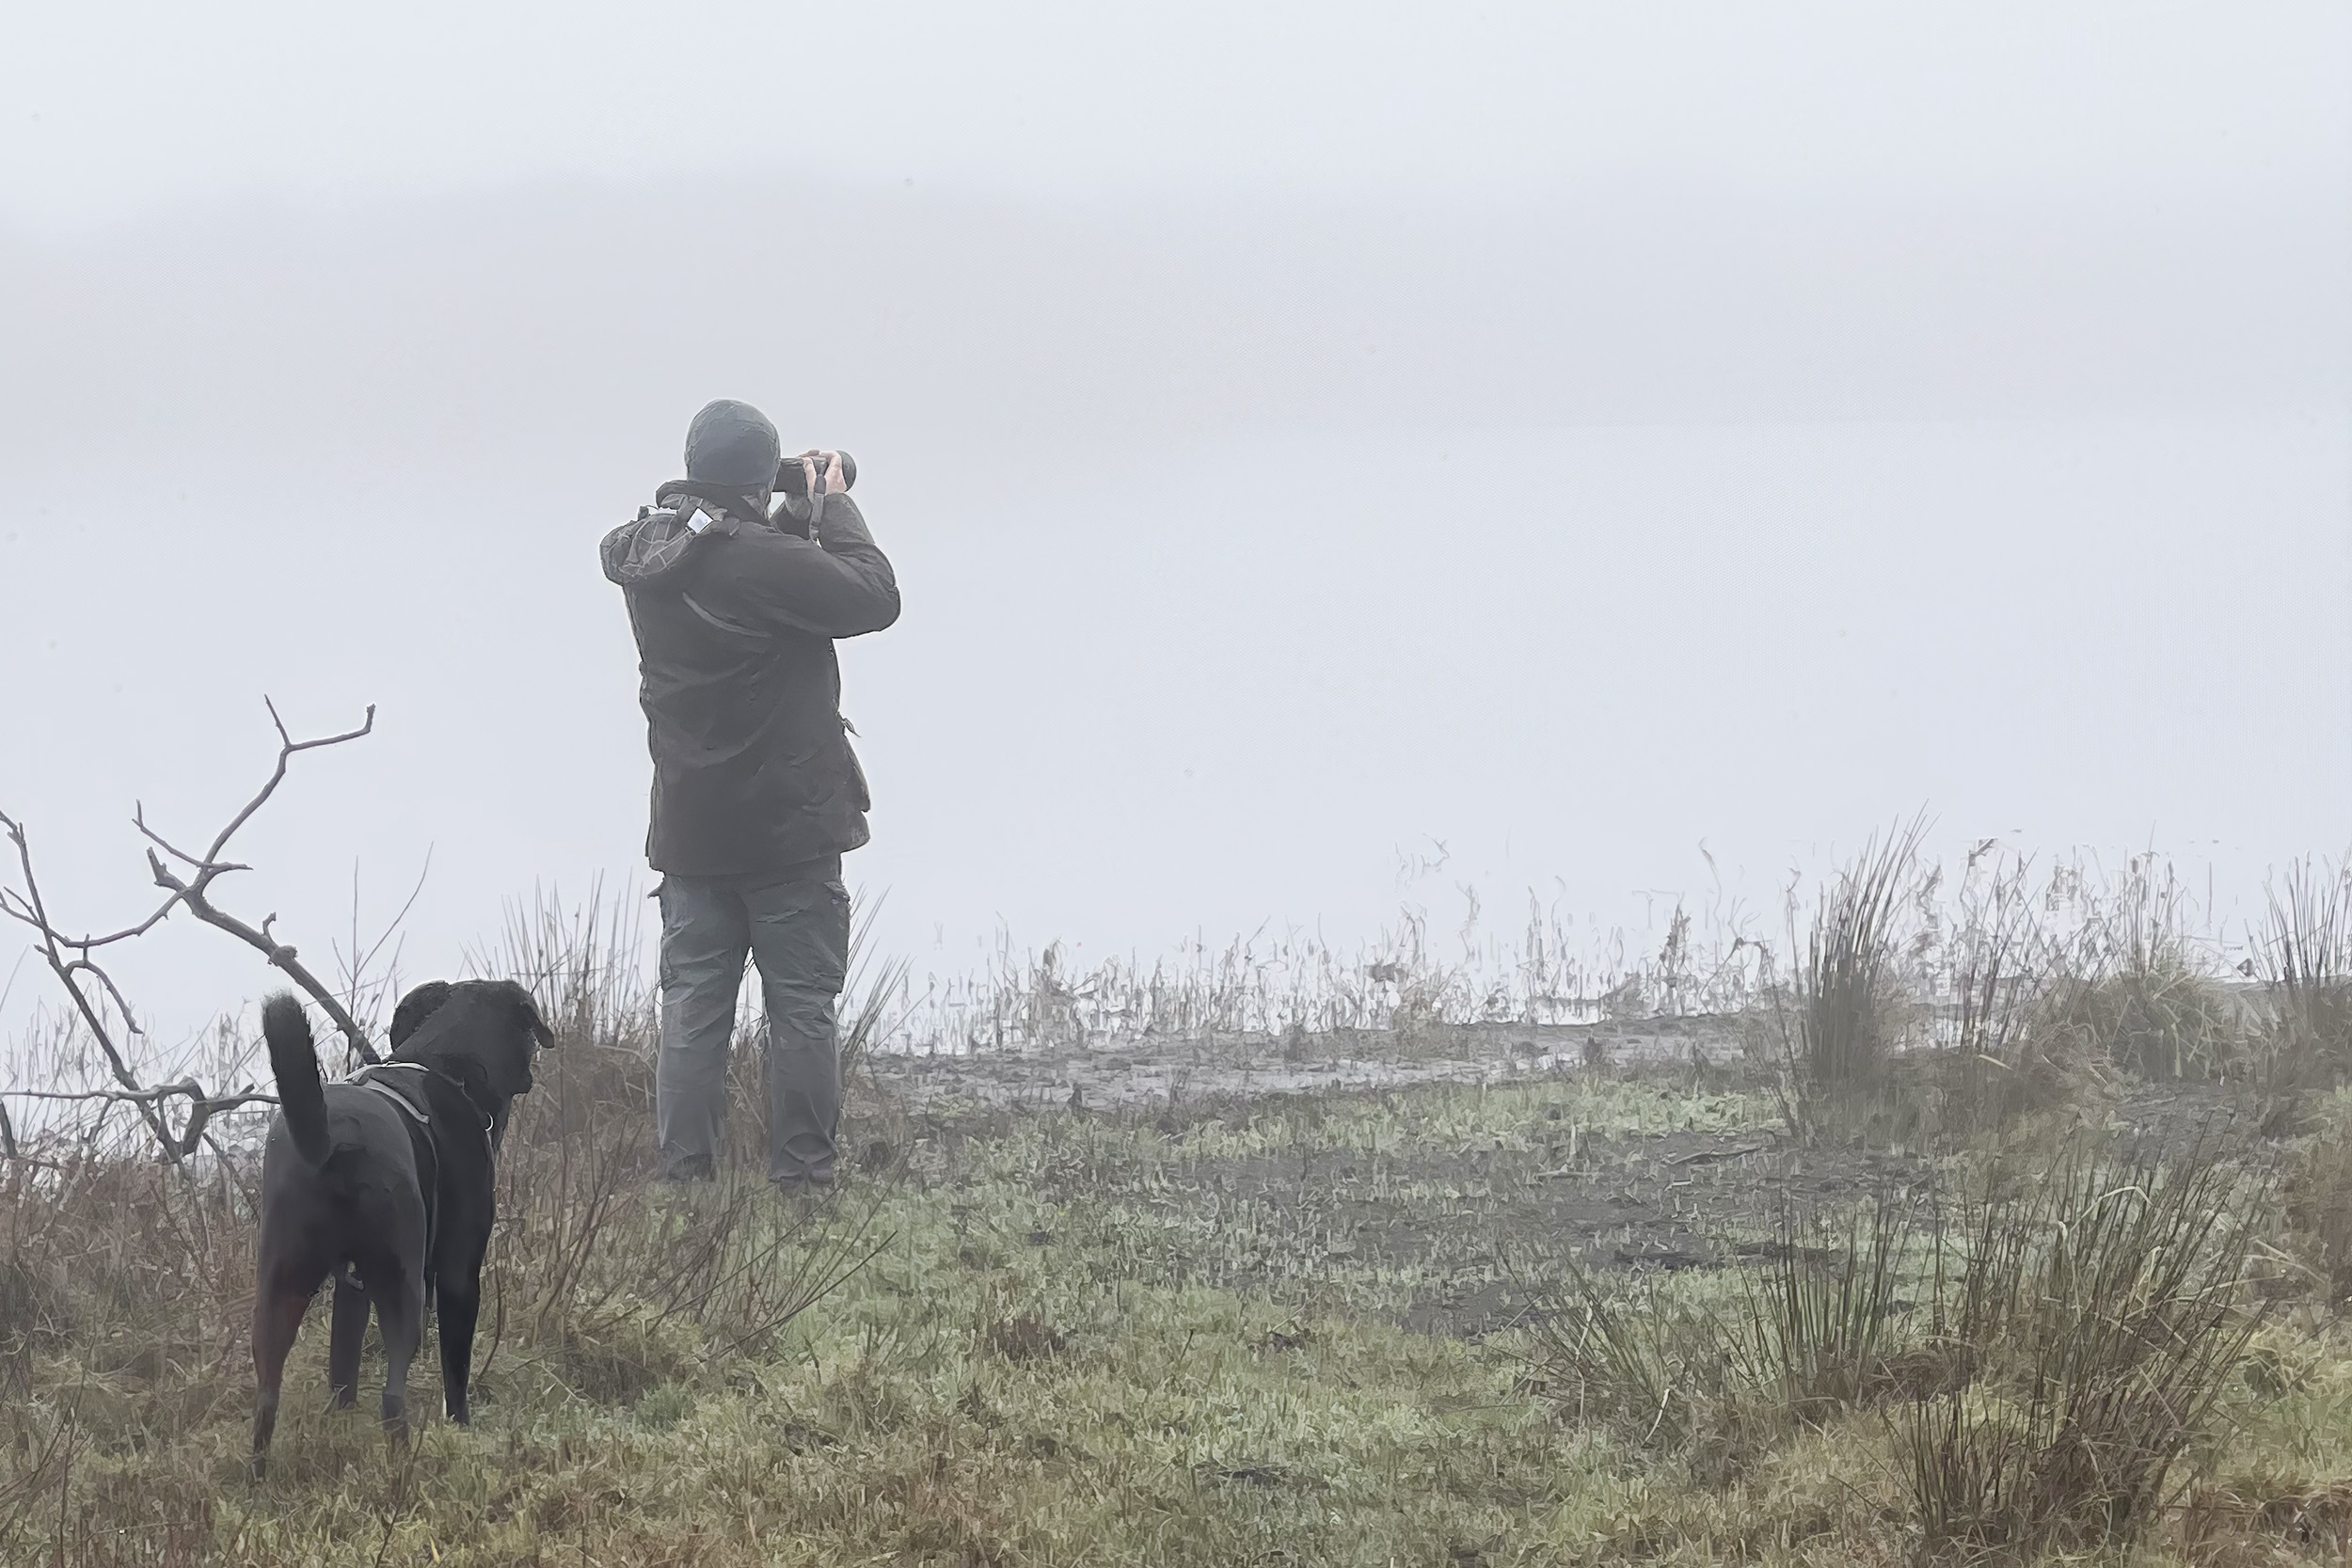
{"points": [[1004, 1381], [1195, 1338]]}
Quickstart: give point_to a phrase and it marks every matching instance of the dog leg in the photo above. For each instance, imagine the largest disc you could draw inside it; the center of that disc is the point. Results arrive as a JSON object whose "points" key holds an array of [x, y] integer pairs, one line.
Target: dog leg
{"points": [[400, 1312], [277, 1319], [342, 1347], [461, 1302]]}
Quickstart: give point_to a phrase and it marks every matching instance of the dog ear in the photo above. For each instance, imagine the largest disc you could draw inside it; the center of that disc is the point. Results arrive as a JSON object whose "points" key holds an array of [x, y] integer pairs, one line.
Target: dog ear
{"points": [[527, 1008], [415, 1008]]}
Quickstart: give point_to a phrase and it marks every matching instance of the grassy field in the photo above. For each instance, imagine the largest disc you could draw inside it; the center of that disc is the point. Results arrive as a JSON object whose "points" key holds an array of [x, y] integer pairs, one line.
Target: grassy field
{"points": [[2061, 1283]]}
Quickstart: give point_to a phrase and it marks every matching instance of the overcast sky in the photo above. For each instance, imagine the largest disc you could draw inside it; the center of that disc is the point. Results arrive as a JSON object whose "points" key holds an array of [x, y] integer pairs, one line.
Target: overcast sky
{"points": [[1305, 433], [126, 111]]}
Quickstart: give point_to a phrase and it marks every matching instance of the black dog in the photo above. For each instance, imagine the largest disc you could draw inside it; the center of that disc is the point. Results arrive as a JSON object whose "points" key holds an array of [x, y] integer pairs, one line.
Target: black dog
{"points": [[386, 1182]]}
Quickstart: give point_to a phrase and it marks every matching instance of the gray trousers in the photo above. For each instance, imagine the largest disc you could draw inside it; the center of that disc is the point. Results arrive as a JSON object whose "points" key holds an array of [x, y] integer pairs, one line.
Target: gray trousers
{"points": [[795, 926]]}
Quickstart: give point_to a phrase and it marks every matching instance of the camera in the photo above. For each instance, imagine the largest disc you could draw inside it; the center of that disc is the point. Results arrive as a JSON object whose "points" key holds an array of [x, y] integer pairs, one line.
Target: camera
{"points": [[792, 480]]}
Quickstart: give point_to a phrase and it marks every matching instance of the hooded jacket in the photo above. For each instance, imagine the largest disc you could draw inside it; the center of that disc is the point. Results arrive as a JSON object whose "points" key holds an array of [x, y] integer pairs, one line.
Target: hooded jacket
{"points": [[752, 767]]}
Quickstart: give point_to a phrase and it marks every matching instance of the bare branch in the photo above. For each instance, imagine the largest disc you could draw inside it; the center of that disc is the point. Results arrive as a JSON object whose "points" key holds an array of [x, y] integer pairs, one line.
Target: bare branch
{"points": [[202, 1107], [287, 747], [83, 945], [192, 895], [186, 1088], [19, 906], [139, 820], [114, 993], [88, 984]]}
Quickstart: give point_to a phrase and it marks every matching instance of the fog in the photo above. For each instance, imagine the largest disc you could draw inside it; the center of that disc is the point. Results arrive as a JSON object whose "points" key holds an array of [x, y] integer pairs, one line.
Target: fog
{"points": [[1622, 457]]}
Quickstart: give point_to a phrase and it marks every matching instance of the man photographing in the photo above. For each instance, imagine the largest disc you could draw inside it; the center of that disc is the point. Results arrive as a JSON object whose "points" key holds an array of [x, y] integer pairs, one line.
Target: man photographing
{"points": [[756, 794]]}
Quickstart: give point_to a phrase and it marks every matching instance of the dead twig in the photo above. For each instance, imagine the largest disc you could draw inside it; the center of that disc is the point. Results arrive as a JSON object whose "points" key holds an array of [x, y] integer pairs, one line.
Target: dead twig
{"points": [[202, 1107]]}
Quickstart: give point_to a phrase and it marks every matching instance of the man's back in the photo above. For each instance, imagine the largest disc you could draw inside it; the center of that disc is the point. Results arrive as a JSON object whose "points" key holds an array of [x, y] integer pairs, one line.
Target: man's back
{"points": [[742, 690]]}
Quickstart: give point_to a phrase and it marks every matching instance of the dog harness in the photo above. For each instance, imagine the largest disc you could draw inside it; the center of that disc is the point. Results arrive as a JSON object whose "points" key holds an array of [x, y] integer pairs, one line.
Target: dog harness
{"points": [[398, 1089], [366, 1079]]}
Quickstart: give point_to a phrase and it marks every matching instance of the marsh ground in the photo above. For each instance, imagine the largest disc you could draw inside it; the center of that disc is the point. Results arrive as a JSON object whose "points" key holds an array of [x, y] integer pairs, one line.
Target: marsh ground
{"points": [[1250, 1303]]}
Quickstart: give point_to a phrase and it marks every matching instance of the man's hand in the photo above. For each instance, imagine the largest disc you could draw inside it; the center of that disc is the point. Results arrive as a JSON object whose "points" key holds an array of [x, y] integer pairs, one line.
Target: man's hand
{"points": [[826, 465]]}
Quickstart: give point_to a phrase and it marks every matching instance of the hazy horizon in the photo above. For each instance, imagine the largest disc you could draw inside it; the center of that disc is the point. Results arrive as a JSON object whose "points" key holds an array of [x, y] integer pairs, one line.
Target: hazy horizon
{"points": [[1571, 437]]}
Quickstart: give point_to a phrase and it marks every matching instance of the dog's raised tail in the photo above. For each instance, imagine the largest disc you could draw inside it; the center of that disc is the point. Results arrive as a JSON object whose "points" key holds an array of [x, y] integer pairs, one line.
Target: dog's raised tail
{"points": [[294, 1061]]}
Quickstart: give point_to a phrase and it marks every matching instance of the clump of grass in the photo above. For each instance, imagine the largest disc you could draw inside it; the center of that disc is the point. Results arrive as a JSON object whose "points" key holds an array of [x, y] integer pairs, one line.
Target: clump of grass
{"points": [[1850, 1005], [1992, 1068], [2317, 1192], [1810, 1337], [1820, 1326], [2306, 966], [2097, 1317], [2057, 994], [877, 993], [2131, 985], [2159, 1020], [2071, 1341], [1639, 1363], [589, 1253], [1021, 1337], [584, 962]]}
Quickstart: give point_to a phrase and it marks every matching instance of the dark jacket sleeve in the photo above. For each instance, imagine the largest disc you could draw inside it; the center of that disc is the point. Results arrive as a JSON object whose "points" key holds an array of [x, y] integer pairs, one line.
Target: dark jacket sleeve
{"points": [[839, 584]]}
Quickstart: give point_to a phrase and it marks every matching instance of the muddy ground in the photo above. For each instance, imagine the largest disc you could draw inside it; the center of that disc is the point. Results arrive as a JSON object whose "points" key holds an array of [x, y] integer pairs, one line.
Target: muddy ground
{"points": [[1157, 1071], [1313, 1168]]}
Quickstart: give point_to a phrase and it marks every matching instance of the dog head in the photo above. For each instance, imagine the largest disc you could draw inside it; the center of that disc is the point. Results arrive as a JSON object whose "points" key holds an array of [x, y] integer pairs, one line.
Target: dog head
{"points": [[414, 1008], [483, 1033]]}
